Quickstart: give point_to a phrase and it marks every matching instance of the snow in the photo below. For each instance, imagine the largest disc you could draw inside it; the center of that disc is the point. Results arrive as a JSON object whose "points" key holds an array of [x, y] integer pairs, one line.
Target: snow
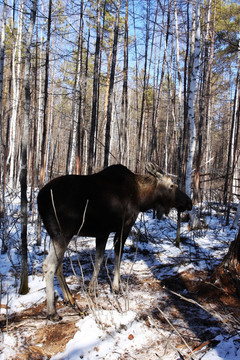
{"points": [[228, 348], [109, 333]]}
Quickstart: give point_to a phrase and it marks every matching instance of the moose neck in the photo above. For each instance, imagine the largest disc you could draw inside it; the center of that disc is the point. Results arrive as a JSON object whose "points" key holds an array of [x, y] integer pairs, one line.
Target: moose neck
{"points": [[147, 192]]}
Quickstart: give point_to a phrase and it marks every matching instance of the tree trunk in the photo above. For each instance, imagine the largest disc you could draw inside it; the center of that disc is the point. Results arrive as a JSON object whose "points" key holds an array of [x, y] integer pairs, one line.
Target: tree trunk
{"points": [[191, 102], [45, 116], [140, 130], [77, 97], [233, 144], [95, 101], [124, 120], [80, 130], [110, 94], [227, 274], [2, 155], [23, 174], [40, 101], [16, 94]]}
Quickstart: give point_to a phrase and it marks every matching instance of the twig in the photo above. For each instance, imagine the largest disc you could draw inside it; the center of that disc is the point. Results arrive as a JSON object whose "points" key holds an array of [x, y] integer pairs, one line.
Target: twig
{"points": [[55, 212], [178, 333], [199, 305], [152, 322], [83, 220]]}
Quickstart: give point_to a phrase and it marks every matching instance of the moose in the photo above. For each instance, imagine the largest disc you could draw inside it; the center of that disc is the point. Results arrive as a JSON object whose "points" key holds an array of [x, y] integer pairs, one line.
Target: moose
{"points": [[95, 206]]}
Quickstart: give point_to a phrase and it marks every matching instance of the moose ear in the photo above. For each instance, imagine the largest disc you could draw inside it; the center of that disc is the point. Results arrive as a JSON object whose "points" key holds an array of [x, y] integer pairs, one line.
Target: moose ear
{"points": [[154, 170]]}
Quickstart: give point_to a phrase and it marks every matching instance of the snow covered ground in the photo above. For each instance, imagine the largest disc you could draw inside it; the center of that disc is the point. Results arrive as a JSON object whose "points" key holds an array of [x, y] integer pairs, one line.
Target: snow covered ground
{"points": [[158, 315]]}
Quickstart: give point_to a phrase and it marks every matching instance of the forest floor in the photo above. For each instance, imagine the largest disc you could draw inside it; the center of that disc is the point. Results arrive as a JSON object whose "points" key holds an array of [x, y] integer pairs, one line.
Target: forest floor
{"points": [[168, 309]]}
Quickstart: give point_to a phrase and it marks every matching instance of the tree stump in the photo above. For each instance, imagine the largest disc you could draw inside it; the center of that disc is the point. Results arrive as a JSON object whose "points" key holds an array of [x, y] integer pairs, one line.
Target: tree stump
{"points": [[227, 274]]}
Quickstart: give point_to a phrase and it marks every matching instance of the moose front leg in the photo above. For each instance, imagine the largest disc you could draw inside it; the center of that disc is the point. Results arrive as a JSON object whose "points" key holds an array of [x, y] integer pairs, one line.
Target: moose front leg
{"points": [[119, 242], [100, 248]]}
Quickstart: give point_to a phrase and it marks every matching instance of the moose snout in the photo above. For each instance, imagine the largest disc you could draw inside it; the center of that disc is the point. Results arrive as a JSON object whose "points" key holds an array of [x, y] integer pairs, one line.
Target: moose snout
{"points": [[183, 201]]}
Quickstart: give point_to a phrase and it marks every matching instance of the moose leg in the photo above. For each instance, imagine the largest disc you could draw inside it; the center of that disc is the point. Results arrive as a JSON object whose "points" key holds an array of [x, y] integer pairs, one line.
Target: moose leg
{"points": [[100, 248], [50, 266], [119, 242], [65, 289]]}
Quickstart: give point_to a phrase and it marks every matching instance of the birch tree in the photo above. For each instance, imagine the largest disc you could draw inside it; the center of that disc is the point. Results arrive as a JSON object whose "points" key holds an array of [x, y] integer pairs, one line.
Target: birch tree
{"points": [[2, 160], [24, 154], [191, 112], [16, 81], [77, 98], [45, 114]]}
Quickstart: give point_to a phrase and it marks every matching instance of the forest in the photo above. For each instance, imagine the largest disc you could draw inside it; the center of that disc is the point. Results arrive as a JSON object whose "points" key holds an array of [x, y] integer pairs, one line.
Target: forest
{"points": [[87, 84]]}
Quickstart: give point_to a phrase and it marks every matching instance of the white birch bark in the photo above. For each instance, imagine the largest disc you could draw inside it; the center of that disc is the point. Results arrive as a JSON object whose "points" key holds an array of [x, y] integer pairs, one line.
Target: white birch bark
{"points": [[2, 200], [2, 52], [24, 156], [75, 115], [178, 66], [41, 98], [16, 80], [50, 133], [191, 113]]}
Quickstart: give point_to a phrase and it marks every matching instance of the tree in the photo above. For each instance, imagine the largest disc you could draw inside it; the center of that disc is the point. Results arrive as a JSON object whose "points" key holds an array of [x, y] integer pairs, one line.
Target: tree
{"points": [[110, 93], [23, 173], [191, 112], [2, 159], [45, 110], [95, 96], [124, 116], [226, 275], [233, 142], [16, 82]]}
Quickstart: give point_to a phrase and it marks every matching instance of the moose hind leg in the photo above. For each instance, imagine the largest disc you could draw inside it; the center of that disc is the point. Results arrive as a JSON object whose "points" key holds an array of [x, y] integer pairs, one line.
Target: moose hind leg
{"points": [[50, 266]]}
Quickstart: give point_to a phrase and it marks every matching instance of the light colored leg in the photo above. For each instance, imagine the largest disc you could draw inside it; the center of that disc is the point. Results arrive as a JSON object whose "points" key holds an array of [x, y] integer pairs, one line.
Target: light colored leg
{"points": [[50, 265], [100, 248]]}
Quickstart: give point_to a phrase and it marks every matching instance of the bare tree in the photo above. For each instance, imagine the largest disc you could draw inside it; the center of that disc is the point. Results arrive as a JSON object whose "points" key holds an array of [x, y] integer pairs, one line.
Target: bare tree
{"points": [[23, 174], [110, 94], [233, 143], [45, 115], [2, 155], [191, 112], [124, 116], [140, 131], [95, 97], [16, 80]]}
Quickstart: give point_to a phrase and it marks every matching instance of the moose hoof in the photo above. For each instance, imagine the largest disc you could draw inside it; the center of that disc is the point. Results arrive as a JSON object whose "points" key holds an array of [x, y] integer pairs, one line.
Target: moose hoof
{"points": [[116, 289], [54, 317]]}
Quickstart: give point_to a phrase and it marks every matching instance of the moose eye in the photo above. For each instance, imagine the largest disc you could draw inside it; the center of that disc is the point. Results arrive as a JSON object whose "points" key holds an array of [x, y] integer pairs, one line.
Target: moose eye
{"points": [[171, 186]]}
